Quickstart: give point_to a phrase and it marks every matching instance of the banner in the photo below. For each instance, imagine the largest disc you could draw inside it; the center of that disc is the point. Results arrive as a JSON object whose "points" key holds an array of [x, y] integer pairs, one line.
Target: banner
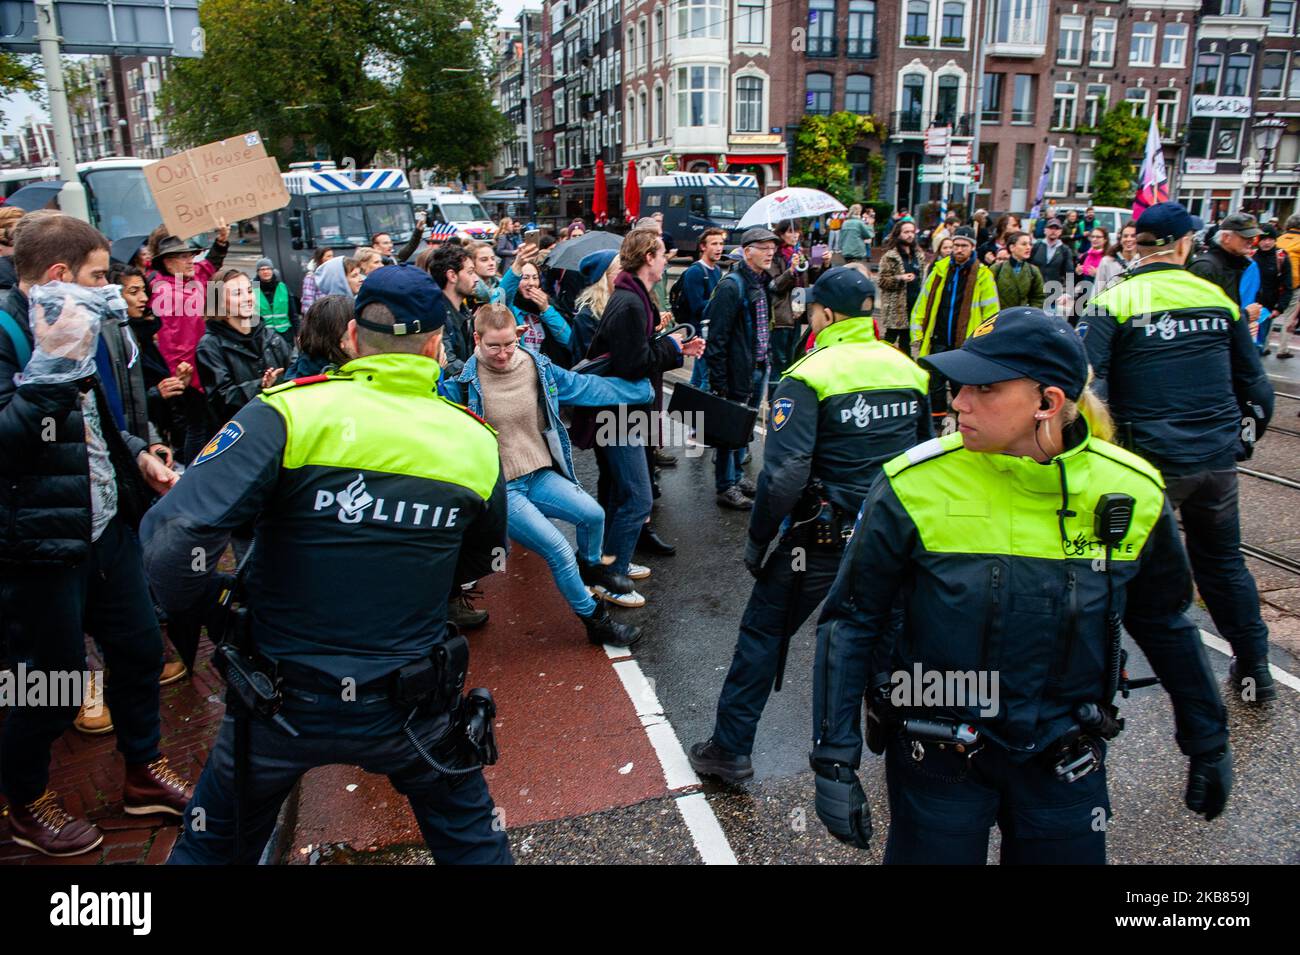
{"points": [[1042, 183], [1153, 180]]}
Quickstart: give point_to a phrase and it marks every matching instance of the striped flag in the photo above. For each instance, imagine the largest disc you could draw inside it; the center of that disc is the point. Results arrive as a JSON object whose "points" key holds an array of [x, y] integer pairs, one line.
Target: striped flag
{"points": [[442, 230], [1153, 180]]}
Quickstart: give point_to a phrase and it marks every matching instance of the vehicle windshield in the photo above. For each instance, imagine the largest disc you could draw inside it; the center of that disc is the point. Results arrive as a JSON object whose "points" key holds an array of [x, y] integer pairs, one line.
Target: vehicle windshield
{"points": [[352, 220], [120, 202], [730, 204], [461, 210]]}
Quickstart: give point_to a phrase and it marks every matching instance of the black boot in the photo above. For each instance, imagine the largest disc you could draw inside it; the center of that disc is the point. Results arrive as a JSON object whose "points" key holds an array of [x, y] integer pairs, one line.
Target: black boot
{"points": [[1251, 681], [651, 543], [602, 575], [709, 759], [602, 629]]}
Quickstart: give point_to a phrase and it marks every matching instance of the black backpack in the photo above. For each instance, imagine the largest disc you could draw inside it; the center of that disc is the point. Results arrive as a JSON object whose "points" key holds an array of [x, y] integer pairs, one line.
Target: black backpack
{"points": [[677, 301]]}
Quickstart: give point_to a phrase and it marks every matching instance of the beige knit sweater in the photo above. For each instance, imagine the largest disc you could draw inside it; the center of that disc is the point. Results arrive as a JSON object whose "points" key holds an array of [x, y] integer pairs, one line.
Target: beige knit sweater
{"points": [[510, 405]]}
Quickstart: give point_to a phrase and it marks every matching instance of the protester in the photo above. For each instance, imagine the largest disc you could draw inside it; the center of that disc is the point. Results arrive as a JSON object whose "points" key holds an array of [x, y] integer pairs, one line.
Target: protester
{"points": [[698, 282], [1226, 260], [9, 216], [521, 289], [1055, 259], [239, 356], [856, 233], [72, 563], [739, 350], [980, 223], [340, 275], [1118, 259], [277, 308], [627, 335], [162, 388], [323, 337], [1274, 282], [452, 268], [179, 287], [508, 241], [1289, 242], [1017, 279], [945, 230], [519, 393], [486, 286], [599, 270], [309, 291], [791, 274], [902, 273]]}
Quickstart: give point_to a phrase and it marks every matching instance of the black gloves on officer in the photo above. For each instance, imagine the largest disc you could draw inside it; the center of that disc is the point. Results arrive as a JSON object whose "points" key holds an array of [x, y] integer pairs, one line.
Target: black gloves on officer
{"points": [[1209, 781], [841, 804], [755, 554]]}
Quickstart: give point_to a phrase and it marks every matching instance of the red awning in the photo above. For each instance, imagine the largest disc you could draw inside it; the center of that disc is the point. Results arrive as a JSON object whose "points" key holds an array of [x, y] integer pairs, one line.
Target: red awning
{"points": [[766, 159]]}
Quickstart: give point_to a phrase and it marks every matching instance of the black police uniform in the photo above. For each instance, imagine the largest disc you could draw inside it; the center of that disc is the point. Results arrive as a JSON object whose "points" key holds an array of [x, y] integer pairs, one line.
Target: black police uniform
{"points": [[372, 497], [1003, 575], [1174, 357], [839, 413]]}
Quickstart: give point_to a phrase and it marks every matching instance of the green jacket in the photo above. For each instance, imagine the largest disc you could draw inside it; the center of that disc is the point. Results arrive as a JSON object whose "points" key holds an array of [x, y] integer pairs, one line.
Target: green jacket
{"points": [[994, 580], [979, 303], [276, 312], [855, 236], [1018, 288]]}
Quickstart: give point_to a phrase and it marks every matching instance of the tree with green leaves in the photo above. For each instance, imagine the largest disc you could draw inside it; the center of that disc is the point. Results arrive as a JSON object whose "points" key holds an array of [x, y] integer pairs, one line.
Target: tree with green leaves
{"points": [[1121, 139], [18, 74], [821, 151], [356, 76]]}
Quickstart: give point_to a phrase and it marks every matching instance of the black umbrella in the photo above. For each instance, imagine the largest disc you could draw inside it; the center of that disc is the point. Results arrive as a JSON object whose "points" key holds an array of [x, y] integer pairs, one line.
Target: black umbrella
{"points": [[568, 254], [126, 247], [36, 195]]}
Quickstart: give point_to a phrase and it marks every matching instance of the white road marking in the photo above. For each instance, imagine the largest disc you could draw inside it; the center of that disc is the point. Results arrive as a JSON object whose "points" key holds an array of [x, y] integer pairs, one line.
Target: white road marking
{"points": [[1282, 676], [710, 840]]}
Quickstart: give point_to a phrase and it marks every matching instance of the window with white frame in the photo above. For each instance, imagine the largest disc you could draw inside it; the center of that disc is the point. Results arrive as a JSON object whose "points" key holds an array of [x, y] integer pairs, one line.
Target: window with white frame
{"points": [[1272, 74], [750, 21], [1173, 47], [561, 153], [631, 50], [659, 123], [917, 30], [557, 100], [1281, 17], [630, 114], [952, 27], [912, 103], [862, 28], [1142, 45], [1094, 103], [699, 19], [1069, 47], [1167, 112], [1058, 181], [658, 41], [857, 93], [1022, 100], [1236, 76], [1102, 48], [642, 117], [749, 104], [1293, 88], [1065, 104], [821, 28], [699, 95], [1138, 97], [1085, 169], [643, 43]]}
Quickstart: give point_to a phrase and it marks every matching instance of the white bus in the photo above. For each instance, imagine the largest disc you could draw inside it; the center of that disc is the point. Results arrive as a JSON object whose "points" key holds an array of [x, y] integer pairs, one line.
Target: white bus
{"points": [[117, 195]]}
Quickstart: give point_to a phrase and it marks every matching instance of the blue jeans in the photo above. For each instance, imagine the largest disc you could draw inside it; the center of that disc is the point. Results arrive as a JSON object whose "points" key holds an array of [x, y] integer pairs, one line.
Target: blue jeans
{"points": [[629, 498], [544, 494], [700, 374], [726, 466]]}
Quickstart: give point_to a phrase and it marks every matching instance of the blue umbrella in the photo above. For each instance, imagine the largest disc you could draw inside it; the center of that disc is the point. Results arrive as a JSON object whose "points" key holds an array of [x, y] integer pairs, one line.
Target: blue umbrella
{"points": [[36, 195]]}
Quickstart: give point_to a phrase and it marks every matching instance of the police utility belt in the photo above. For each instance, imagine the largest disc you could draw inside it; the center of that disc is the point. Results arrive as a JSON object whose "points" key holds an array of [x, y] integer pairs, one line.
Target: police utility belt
{"points": [[818, 521], [430, 686]]}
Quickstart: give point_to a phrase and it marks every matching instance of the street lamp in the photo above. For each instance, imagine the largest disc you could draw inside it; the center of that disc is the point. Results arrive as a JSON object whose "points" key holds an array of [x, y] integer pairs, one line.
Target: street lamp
{"points": [[1266, 134]]}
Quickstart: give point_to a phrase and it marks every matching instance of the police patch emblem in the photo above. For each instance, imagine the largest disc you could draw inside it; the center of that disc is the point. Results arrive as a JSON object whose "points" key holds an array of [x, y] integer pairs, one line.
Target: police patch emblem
{"points": [[223, 439], [984, 327], [781, 409]]}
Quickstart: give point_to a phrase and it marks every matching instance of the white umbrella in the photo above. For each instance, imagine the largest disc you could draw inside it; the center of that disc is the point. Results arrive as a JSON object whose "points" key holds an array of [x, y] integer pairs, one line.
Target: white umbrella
{"points": [[790, 203]]}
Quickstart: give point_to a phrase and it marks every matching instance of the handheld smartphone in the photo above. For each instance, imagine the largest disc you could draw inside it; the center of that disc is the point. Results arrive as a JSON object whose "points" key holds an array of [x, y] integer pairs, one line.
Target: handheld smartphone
{"points": [[533, 237]]}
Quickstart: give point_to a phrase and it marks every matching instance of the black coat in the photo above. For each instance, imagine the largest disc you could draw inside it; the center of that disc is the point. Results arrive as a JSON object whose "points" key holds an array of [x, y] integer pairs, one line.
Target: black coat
{"points": [[1274, 280], [633, 352], [1221, 267], [231, 365], [730, 349], [45, 509], [1062, 265]]}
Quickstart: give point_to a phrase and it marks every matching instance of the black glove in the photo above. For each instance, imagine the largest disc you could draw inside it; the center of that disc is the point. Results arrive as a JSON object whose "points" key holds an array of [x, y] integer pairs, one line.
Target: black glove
{"points": [[755, 554], [1209, 781], [842, 806]]}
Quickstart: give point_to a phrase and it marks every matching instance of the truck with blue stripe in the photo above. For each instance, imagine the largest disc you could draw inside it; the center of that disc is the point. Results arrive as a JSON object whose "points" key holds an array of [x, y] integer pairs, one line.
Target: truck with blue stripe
{"points": [[337, 208]]}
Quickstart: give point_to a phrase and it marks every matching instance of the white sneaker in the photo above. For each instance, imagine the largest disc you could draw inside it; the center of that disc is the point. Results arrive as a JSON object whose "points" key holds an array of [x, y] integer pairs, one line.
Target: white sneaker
{"points": [[629, 599], [637, 572]]}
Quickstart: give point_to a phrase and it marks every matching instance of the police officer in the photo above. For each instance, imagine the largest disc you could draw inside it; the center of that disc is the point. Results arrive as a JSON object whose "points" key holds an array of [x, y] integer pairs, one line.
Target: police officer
{"points": [[1019, 544], [372, 496], [1174, 357], [839, 413]]}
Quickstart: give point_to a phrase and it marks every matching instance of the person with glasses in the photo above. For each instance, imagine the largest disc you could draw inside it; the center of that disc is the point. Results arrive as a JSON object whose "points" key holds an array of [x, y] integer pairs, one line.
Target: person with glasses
{"points": [[503, 382]]}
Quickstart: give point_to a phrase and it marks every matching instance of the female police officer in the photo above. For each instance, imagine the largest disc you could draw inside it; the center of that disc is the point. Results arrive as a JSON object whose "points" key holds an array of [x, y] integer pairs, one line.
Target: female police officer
{"points": [[1015, 546]]}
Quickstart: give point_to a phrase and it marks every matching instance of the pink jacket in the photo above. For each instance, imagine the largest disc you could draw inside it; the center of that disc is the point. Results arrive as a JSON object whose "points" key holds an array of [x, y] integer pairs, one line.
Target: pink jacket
{"points": [[180, 305], [1091, 260]]}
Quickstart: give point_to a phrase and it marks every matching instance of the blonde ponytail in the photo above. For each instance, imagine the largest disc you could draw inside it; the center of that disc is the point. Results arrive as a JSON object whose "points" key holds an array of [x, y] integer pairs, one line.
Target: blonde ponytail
{"points": [[1094, 411]]}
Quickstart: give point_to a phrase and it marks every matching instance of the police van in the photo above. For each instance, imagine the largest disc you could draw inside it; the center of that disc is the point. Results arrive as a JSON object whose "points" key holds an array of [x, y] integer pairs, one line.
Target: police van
{"points": [[340, 209], [459, 211], [693, 202]]}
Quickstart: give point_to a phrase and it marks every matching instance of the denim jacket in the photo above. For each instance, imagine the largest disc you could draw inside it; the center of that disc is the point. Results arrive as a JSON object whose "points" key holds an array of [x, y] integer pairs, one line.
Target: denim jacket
{"points": [[560, 388]]}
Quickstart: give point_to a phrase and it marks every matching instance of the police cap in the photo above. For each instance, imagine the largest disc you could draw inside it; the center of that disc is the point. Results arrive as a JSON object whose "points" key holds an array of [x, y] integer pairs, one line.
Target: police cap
{"points": [[417, 304], [1019, 342], [845, 291]]}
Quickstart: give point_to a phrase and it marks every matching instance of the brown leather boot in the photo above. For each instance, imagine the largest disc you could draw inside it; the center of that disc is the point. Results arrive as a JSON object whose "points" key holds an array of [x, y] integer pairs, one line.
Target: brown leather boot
{"points": [[172, 672], [155, 787], [45, 826], [93, 718]]}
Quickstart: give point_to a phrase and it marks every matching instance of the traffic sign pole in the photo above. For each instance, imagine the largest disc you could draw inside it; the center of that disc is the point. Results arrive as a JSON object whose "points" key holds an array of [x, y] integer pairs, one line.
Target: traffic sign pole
{"points": [[72, 197]]}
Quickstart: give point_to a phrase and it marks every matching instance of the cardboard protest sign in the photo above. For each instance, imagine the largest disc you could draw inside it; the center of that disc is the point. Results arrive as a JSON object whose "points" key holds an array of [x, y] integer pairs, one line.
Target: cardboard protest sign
{"points": [[210, 186]]}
